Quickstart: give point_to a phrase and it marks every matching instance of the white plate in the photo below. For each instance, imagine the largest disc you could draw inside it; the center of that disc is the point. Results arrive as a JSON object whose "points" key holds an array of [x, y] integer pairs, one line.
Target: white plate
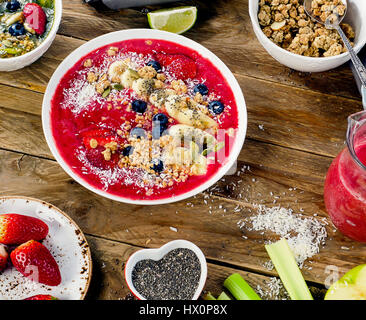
{"points": [[67, 244], [117, 36]]}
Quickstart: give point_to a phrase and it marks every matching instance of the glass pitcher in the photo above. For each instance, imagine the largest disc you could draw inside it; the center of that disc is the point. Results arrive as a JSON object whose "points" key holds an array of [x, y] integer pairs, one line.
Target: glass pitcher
{"points": [[345, 184]]}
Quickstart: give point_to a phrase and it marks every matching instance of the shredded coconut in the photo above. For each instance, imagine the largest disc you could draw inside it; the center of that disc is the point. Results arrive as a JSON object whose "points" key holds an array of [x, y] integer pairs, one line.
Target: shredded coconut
{"points": [[304, 235]]}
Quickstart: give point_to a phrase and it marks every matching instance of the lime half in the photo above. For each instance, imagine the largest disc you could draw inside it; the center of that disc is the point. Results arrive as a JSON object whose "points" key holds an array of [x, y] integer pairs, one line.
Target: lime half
{"points": [[176, 20]]}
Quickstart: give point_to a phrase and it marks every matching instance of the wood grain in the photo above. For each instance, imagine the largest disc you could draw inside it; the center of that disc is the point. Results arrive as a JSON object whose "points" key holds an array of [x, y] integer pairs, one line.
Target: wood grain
{"points": [[215, 230]]}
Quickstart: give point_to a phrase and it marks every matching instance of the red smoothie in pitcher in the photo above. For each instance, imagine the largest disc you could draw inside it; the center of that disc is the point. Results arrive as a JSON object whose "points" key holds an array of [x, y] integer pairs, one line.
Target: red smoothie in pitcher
{"points": [[345, 186]]}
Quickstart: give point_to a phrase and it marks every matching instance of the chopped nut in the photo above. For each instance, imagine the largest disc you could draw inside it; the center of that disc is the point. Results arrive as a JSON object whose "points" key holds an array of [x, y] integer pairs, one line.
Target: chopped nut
{"points": [[93, 143], [88, 63]]}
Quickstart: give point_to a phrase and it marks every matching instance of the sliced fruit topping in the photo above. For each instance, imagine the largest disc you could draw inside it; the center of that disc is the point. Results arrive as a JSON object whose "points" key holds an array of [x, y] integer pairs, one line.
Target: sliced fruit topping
{"points": [[41, 297], [157, 165], [3, 257], [13, 5], [34, 261], [184, 133], [138, 133], [155, 64], [35, 18], [186, 113], [176, 20], [139, 106], [17, 29], [102, 158], [128, 77], [17, 228], [216, 107], [178, 65], [200, 88]]}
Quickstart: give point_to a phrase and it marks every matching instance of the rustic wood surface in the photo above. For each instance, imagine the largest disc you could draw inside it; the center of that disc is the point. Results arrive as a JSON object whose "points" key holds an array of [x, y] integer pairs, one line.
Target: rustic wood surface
{"points": [[296, 126]]}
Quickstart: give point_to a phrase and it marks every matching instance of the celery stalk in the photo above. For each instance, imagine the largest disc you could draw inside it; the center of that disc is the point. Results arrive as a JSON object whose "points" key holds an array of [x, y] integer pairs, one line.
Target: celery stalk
{"points": [[239, 288], [290, 274], [209, 296], [223, 296]]}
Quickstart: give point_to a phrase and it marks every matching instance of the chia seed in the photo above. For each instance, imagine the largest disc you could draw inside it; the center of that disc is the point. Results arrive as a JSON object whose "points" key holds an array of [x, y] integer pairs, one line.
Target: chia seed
{"points": [[174, 277]]}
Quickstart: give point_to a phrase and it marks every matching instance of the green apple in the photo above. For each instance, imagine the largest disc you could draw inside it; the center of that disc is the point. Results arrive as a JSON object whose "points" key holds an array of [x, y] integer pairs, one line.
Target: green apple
{"points": [[352, 286]]}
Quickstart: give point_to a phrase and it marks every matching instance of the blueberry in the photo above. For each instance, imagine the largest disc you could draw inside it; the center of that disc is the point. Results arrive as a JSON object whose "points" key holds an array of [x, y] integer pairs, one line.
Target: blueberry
{"points": [[139, 106], [127, 151], [201, 88], [138, 132], [156, 65], [17, 29], [157, 165], [13, 5], [160, 118], [157, 131], [216, 107]]}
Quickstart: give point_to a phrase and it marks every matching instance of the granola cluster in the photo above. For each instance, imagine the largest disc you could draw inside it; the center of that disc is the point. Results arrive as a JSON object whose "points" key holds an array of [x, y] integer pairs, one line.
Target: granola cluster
{"points": [[326, 8], [286, 23]]}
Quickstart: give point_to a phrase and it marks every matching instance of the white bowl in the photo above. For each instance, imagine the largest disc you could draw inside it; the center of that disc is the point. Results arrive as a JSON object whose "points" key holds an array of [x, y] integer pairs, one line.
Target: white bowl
{"points": [[157, 254], [356, 17], [144, 34], [11, 64]]}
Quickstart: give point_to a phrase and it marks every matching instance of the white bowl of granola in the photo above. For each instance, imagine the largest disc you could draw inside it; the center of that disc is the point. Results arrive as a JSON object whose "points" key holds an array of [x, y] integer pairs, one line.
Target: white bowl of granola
{"points": [[278, 25]]}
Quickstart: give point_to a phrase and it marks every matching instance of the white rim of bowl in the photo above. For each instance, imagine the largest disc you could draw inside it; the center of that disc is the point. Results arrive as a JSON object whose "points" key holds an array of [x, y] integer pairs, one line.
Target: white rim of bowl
{"points": [[255, 24], [160, 253], [51, 34], [131, 34]]}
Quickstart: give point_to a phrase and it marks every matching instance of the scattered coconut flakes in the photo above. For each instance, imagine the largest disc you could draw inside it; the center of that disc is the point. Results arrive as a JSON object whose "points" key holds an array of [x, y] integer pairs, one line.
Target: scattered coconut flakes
{"points": [[173, 229], [304, 235], [276, 290]]}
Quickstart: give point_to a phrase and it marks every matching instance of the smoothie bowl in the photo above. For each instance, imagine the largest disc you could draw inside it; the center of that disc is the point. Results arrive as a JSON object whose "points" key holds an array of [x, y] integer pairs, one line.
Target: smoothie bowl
{"points": [[144, 116], [27, 29]]}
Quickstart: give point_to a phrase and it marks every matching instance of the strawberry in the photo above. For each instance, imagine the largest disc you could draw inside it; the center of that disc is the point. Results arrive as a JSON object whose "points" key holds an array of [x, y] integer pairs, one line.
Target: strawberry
{"points": [[41, 297], [3, 257], [17, 228], [35, 18], [96, 158], [33, 260], [178, 65]]}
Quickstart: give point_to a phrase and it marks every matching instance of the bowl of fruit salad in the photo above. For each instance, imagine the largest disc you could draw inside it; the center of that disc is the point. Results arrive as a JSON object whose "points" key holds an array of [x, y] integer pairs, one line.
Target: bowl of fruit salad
{"points": [[27, 29], [144, 116]]}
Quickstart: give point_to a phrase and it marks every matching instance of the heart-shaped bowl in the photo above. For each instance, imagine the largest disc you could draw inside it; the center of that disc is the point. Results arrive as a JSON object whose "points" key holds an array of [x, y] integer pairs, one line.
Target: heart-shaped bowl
{"points": [[158, 254]]}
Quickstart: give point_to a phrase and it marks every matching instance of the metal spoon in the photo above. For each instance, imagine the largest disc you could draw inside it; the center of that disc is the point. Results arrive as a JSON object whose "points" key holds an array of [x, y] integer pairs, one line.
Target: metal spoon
{"points": [[333, 22]]}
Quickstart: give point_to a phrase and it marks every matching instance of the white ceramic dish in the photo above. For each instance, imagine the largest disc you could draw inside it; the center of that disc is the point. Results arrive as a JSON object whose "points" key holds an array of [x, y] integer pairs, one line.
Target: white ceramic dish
{"points": [[12, 64], [144, 34], [157, 254], [356, 17], [67, 244]]}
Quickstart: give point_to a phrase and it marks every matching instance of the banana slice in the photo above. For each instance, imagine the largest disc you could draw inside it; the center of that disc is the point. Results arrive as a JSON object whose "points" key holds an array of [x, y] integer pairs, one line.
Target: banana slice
{"points": [[128, 77], [183, 112], [116, 69], [143, 87], [180, 156], [186, 133], [158, 97], [199, 166]]}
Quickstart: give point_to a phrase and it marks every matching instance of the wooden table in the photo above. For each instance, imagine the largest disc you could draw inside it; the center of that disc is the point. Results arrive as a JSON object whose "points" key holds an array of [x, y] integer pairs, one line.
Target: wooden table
{"points": [[297, 125]]}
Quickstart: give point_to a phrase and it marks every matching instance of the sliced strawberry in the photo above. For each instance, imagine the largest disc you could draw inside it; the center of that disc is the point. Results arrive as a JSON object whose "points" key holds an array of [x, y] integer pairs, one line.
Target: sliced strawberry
{"points": [[3, 257], [33, 260], [35, 18], [41, 297], [178, 65], [17, 228], [96, 158]]}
